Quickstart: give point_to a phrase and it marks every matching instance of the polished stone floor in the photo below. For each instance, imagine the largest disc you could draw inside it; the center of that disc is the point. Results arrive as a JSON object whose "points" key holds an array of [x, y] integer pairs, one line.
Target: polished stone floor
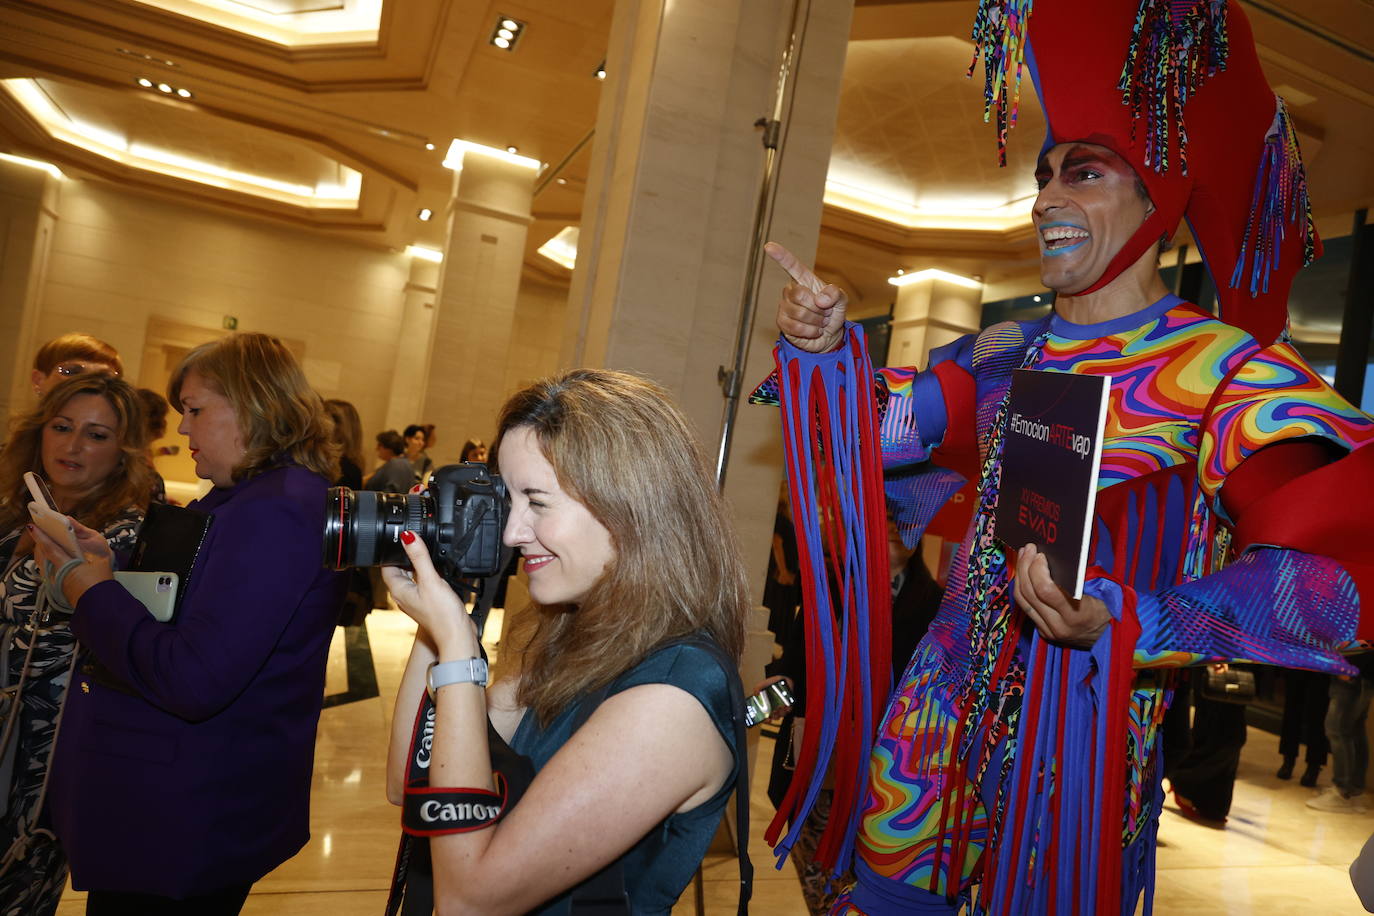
{"points": [[1276, 856]]}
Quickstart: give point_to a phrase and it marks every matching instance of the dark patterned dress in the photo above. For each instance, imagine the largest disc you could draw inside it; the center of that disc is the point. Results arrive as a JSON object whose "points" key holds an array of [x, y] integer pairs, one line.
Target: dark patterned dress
{"points": [[33, 882]]}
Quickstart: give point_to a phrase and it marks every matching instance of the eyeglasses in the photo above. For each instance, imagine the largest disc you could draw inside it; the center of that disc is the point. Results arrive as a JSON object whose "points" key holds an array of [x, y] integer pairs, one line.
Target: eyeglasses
{"points": [[71, 370]]}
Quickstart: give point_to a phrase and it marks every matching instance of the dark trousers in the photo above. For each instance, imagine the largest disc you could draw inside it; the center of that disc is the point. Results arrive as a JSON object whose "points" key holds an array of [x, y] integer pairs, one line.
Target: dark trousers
{"points": [[1206, 774], [1304, 715], [227, 902]]}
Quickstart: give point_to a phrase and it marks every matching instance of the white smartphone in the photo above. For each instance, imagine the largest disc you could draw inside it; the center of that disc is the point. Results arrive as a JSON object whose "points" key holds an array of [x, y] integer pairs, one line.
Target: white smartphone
{"points": [[44, 512], [156, 590]]}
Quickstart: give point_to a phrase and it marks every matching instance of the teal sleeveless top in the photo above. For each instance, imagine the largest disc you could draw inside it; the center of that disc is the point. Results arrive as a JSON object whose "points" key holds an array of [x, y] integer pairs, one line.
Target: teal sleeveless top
{"points": [[660, 865]]}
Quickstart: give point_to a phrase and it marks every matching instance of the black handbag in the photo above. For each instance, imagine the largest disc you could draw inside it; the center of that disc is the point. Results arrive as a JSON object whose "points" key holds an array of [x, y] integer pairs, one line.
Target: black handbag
{"points": [[1230, 686]]}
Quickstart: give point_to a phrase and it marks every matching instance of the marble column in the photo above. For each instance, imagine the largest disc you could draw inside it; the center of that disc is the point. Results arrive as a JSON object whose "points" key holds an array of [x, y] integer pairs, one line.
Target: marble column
{"points": [[932, 309], [474, 305], [412, 363], [28, 216], [667, 220]]}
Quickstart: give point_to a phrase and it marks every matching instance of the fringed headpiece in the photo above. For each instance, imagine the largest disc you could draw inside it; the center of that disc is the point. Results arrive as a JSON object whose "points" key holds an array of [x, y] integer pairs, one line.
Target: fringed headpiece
{"points": [[1174, 87]]}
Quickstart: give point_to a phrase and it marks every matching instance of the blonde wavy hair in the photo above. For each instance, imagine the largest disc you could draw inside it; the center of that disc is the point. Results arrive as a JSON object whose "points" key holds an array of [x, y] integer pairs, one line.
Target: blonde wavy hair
{"points": [[280, 416], [622, 448], [131, 482]]}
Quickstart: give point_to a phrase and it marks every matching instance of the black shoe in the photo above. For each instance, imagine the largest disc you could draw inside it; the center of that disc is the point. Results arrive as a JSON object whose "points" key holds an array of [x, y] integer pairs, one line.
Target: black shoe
{"points": [[1309, 776], [1286, 771]]}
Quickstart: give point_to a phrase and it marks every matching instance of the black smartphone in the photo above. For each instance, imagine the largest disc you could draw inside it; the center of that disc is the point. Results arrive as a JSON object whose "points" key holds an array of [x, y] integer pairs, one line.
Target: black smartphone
{"points": [[762, 704]]}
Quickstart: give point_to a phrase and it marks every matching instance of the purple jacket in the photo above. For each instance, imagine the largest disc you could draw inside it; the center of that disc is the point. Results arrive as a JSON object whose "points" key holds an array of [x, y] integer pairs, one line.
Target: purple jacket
{"points": [[202, 782]]}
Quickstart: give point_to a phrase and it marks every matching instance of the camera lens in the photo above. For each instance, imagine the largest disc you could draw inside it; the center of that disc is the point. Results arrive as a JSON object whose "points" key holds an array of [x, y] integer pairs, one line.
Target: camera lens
{"points": [[364, 528]]}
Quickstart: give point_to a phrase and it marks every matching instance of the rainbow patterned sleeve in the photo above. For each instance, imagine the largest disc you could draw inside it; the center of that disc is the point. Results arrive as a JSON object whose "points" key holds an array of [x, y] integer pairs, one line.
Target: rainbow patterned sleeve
{"points": [[1274, 396]]}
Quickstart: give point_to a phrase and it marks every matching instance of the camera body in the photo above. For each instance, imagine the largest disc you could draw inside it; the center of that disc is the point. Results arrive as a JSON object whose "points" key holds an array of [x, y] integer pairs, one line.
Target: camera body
{"points": [[460, 518]]}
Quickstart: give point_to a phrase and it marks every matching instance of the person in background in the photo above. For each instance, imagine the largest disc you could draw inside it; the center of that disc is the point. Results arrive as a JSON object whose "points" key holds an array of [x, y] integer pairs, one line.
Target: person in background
{"points": [[86, 438], [69, 355], [782, 588], [916, 597], [629, 550], [182, 772], [348, 433], [1345, 718], [396, 474], [416, 442], [1304, 717], [155, 409], [474, 450], [1203, 780]]}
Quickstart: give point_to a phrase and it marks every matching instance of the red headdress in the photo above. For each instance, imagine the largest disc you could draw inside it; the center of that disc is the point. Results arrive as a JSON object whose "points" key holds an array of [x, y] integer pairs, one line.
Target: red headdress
{"points": [[1174, 87]]}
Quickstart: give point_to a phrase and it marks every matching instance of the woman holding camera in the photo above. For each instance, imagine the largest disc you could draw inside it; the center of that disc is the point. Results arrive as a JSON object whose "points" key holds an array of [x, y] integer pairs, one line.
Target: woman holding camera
{"points": [[87, 440], [182, 774], [629, 551]]}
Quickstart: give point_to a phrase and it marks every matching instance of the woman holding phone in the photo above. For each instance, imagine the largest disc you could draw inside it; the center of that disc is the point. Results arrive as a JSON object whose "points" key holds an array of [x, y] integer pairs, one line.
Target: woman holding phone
{"points": [[87, 439], [182, 774]]}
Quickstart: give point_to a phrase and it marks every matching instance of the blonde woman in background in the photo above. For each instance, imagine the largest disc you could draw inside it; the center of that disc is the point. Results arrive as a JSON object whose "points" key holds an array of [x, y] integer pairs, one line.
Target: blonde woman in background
{"points": [[182, 773]]}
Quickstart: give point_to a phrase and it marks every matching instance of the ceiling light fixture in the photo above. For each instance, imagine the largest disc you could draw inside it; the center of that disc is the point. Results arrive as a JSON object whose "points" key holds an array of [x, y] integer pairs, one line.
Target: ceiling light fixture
{"points": [[507, 33], [600, 71], [457, 149], [425, 254], [562, 248], [512, 150], [424, 214], [146, 57], [165, 88], [48, 167], [933, 273], [429, 146]]}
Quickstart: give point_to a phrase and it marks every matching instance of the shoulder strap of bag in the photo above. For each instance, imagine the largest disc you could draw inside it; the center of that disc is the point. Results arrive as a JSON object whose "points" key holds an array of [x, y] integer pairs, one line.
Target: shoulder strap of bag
{"points": [[736, 688]]}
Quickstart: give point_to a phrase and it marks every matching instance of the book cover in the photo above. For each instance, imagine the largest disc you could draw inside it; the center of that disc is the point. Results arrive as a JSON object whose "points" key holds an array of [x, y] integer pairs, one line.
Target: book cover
{"points": [[1051, 453]]}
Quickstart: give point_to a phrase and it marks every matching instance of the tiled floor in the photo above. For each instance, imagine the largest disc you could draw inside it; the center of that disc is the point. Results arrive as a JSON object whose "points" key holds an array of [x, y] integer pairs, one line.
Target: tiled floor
{"points": [[1276, 856]]}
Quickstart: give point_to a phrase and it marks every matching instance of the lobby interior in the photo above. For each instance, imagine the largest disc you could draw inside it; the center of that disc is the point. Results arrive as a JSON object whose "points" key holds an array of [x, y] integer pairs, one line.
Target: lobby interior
{"points": [[430, 219]]}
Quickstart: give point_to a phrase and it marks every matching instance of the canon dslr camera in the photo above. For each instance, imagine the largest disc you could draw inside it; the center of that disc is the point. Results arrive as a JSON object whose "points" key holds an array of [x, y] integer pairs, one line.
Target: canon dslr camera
{"points": [[460, 519]]}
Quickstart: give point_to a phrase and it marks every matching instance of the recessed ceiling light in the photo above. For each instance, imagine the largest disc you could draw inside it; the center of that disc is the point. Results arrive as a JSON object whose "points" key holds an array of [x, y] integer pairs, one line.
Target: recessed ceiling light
{"points": [[425, 213], [1035, 298], [900, 271], [184, 93], [145, 82], [429, 146], [562, 181], [511, 149], [163, 87], [600, 71], [506, 33]]}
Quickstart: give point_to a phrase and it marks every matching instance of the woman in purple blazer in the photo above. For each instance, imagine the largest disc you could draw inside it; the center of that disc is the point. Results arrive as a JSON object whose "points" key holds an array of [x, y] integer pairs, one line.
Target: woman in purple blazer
{"points": [[182, 771]]}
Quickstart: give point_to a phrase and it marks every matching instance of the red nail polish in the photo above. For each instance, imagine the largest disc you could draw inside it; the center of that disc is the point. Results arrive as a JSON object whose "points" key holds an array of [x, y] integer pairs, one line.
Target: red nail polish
{"points": [[407, 537]]}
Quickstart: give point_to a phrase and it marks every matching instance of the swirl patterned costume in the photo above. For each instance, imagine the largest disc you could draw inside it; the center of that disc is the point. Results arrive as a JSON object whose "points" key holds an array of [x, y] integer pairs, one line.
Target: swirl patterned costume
{"points": [[1005, 771], [33, 884], [1190, 399]]}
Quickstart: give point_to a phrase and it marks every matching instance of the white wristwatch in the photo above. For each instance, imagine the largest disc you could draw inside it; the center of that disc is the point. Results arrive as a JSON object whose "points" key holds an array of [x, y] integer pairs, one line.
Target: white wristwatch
{"points": [[463, 671]]}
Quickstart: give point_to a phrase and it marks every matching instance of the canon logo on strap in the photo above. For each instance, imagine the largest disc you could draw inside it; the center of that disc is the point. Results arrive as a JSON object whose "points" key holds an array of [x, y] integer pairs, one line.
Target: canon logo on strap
{"points": [[426, 742], [433, 812]]}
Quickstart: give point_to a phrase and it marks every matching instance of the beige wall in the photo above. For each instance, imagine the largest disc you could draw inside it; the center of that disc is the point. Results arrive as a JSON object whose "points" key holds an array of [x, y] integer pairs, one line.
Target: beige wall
{"points": [[126, 268]]}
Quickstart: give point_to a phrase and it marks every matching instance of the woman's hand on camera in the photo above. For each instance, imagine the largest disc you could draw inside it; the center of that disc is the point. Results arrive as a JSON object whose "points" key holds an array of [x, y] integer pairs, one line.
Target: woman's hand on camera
{"points": [[428, 600], [97, 557]]}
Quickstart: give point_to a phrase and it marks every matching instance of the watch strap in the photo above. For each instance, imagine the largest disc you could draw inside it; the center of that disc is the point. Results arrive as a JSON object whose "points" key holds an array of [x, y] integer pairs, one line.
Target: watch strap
{"points": [[462, 671]]}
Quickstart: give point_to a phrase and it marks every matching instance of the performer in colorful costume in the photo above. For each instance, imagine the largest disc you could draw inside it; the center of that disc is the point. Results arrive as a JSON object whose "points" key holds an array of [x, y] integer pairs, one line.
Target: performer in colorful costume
{"points": [[1016, 765]]}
